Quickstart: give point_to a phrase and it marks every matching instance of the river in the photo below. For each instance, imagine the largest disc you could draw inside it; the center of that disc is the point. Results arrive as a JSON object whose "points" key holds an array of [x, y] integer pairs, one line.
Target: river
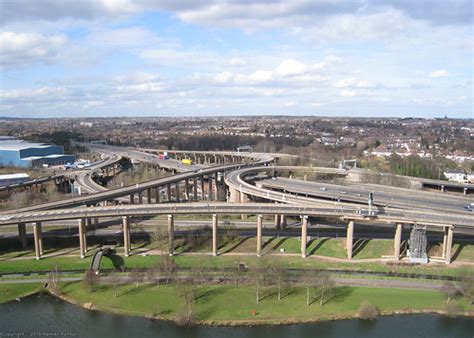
{"points": [[46, 316]]}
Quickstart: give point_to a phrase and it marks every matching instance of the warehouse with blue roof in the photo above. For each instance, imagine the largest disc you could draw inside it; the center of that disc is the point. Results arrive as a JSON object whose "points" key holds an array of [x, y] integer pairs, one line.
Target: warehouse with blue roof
{"points": [[19, 153]]}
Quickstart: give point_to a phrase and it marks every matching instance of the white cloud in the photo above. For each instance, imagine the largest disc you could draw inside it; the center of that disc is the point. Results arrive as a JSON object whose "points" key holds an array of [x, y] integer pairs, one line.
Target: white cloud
{"points": [[344, 83], [18, 49], [439, 73], [291, 67], [237, 61], [348, 93], [257, 77]]}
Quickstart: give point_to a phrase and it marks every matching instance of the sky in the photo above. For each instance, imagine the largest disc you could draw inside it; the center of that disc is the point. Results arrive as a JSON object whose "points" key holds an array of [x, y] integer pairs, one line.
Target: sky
{"points": [[362, 58]]}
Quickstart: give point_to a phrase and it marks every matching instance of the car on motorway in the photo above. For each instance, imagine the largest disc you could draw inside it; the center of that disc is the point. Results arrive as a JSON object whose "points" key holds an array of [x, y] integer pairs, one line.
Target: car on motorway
{"points": [[323, 188], [468, 208]]}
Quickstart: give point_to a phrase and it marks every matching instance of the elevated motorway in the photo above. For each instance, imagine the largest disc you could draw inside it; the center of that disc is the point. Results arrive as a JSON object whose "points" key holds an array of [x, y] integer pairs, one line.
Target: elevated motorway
{"points": [[113, 194], [350, 213], [383, 196], [342, 211]]}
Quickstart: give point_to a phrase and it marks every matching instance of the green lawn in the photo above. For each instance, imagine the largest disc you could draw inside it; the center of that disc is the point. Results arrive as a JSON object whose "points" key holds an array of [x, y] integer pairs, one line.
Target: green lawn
{"points": [[236, 303], [9, 292]]}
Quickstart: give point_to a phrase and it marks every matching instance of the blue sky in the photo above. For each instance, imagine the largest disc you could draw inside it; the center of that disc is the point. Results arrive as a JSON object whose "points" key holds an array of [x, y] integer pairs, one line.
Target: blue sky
{"points": [[251, 57]]}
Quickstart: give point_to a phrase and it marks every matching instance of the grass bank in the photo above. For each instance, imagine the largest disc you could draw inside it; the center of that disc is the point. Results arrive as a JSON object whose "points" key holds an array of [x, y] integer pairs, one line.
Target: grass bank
{"points": [[236, 305]]}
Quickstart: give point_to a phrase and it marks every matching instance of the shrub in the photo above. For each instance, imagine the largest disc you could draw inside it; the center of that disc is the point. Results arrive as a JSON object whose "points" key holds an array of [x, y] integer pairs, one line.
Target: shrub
{"points": [[368, 311]]}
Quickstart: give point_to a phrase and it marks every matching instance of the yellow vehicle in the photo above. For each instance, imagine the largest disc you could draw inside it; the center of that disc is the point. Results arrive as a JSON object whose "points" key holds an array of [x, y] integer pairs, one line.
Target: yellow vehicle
{"points": [[187, 161]]}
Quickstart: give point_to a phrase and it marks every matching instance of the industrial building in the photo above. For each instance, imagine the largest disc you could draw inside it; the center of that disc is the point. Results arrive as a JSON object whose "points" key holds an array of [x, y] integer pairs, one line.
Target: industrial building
{"points": [[19, 153]]}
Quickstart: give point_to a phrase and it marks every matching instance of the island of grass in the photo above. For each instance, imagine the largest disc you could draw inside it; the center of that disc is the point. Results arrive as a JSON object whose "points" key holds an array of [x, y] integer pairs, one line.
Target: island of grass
{"points": [[236, 305]]}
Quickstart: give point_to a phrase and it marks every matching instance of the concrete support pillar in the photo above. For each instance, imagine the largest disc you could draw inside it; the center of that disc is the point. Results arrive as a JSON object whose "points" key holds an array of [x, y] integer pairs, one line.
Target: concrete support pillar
{"points": [[259, 235], [148, 196], [38, 239], [350, 239], [449, 244], [171, 234], [215, 220], [186, 189], [277, 222], [283, 222], [202, 186], [168, 192], [305, 177], [209, 189], [157, 194], [216, 187], [243, 199], [96, 222], [126, 235], [195, 189], [445, 241], [177, 191], [82, 237], [22, 234], [132, 198], [397, 241], [304, 235], [140, 197]]}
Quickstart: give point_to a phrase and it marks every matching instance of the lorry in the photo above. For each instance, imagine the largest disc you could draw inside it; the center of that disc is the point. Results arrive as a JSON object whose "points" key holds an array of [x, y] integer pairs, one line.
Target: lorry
{"points": [[187, 161]]}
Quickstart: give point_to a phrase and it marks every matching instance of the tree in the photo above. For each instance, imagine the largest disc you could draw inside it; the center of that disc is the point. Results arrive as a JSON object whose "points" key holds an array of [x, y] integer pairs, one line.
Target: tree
{"points": [[467, 284], [53, 278], [279, 276], [450, 291], [167, 266], [368, 311], [91, 279], [187, 291], [259, 273], [136, 276], [324, 286]]}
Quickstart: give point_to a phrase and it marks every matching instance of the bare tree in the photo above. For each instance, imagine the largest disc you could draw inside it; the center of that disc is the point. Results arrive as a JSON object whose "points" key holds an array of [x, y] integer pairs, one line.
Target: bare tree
{"points": [[91, 279], [259, 272], [467, 284], [450, 291], [368, 311], [278, 275], [324, 287], [187, 291], [167, 266], [53, 278], [136, 276]]}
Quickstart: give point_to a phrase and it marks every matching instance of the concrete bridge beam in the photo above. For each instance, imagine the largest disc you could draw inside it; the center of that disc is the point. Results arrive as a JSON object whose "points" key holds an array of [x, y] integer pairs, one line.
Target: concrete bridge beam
{"points": [[215, 220], [82, 237], [195, 189], [38, 239], [176, 190], [350, 239], [304, 235], [283, 222], [126, 235], [259, 235], [448, 244], [157, 194], [171, 234], [22, 234], [277, 222], [397, 241], [148, 195], [168, 191]]}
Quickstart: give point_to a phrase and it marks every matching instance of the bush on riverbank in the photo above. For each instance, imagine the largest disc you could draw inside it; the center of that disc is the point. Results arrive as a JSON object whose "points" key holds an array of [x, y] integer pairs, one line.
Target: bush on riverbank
{"points": [[368, 311]]}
